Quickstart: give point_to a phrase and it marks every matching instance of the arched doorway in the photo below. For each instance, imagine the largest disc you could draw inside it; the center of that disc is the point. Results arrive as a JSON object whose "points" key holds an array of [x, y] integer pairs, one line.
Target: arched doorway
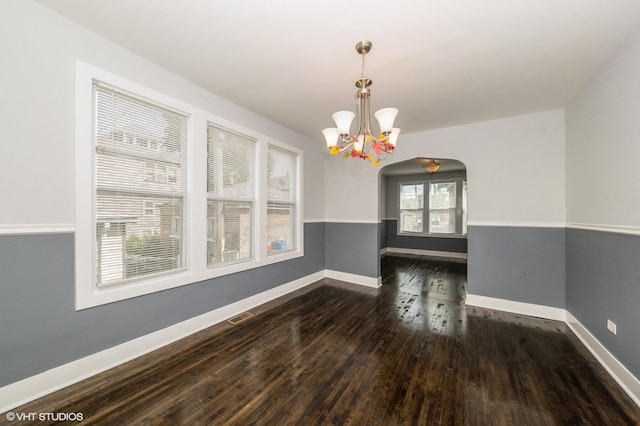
{"points": [[423, 210]]}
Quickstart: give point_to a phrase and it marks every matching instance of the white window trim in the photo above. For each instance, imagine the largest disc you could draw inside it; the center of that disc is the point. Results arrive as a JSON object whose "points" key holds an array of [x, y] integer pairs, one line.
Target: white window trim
{"points": [[425, 209], [87, 293], [297, 205]]}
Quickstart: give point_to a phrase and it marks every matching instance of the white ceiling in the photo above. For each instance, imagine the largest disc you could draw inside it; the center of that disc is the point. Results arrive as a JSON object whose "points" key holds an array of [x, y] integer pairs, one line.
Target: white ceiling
{"points": [[441, 62]]}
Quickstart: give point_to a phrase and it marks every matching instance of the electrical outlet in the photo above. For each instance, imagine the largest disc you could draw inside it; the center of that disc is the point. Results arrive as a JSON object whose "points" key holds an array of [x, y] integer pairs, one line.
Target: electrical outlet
{"points": [[611, 326]]}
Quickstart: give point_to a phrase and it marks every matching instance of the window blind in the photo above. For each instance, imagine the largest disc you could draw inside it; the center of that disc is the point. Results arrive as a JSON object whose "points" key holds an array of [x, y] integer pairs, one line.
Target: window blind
{"points": [[141, 187], [231, 194]]}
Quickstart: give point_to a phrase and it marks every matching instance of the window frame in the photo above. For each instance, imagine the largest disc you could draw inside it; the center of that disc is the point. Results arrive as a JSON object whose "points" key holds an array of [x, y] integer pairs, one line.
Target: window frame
{"points": [[219, 197], [421, 209], [290, 203], [459, 181], [87, 293], [457, 226]]}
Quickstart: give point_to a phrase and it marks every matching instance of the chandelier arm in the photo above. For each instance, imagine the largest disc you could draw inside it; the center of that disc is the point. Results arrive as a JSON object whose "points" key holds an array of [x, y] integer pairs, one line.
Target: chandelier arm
{"points": [[346, 147]]}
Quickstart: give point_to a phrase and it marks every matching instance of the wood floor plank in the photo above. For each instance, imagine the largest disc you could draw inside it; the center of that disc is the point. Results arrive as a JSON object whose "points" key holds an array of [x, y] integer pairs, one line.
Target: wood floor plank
{"points": [[336, 353]]}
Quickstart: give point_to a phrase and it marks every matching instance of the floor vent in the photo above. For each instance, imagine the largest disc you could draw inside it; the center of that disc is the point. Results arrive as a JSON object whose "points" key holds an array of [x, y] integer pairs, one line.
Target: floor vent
{"points": [[239, 318]]}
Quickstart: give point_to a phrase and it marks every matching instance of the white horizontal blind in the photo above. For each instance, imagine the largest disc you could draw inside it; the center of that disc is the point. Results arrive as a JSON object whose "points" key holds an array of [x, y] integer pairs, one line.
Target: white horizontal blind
{"points": [[281, 199], [231, 194], [141, 187]]}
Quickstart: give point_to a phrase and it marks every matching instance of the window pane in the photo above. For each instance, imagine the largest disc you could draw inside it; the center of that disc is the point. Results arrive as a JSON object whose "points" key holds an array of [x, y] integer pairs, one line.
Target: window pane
{"points": [[229, 231], [230, 164], [442, 195], [411, 221], [412, 196], [279, 228], [140, 165], [442, 221], [280, 172], [442, 208], [134, 241]]}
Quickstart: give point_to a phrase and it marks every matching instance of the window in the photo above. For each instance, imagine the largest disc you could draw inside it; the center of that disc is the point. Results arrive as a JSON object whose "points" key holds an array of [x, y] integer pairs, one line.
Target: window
{"points": [[281, 200], [167, 196], [148, 208], [443, 212], [131, 138], [411, 208], [231, 193], [442, 208], [464, 207]]}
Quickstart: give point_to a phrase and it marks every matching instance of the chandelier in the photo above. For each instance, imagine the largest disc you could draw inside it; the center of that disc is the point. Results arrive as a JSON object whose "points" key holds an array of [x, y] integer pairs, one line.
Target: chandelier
{"points": [[432, 166], [363, 144]]}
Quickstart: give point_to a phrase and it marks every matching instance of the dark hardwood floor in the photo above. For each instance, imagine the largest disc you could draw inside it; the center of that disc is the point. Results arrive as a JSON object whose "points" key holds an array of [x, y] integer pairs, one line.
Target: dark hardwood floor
{"points": [[337, 353]]}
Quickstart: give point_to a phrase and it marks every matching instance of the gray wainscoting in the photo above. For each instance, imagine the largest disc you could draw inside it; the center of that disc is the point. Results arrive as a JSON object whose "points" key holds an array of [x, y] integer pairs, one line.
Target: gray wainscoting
{"points": [[603, 282], [353, 248], [392, 239], [40, 328], [523, 264]]}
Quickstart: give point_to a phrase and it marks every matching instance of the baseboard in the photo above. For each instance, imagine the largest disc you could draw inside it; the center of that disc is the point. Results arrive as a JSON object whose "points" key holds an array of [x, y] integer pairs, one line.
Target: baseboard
{"points": [[540, 311], [353, 278], [629, 383], [434, 253], [31, 388]]}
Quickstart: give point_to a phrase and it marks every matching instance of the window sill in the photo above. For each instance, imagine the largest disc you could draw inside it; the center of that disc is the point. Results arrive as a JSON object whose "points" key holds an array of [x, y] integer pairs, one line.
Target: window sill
{"points": [[104, 295], [423, 235]]}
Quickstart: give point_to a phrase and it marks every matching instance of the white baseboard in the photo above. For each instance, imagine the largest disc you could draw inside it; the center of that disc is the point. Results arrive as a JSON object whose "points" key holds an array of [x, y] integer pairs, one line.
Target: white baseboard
{"points": [[433, 253], [522, 308], [31, 388], [629, 383], [353, 278]]}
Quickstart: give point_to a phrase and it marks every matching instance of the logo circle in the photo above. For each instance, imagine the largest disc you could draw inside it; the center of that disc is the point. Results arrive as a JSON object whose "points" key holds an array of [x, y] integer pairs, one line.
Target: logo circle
{"points": [[11, 416]]}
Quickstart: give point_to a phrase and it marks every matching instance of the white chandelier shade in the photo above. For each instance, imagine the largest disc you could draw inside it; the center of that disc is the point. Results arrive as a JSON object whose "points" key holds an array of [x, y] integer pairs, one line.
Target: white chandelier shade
{"points": [[386, 117]]}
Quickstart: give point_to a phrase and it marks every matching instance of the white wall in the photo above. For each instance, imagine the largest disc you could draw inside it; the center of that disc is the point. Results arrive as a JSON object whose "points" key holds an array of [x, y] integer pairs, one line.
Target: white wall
{"points": [[515, 171], [39, 49], [603, 144]]}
